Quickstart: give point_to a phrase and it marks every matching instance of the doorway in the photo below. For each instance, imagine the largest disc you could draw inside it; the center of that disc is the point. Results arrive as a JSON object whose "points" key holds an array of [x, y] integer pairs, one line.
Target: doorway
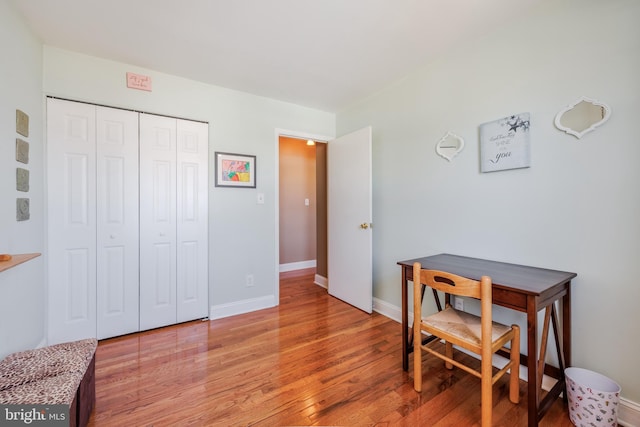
{"points": [[301, 205], [350, 243]]}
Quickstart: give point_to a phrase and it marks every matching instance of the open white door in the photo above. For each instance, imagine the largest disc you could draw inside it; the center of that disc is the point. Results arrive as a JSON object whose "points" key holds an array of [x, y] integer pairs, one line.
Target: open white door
{"points": [[349, 219]]}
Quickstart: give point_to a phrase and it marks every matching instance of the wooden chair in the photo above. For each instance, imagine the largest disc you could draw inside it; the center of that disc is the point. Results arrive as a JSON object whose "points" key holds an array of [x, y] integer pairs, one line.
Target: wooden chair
{"points": [[477, 334]]}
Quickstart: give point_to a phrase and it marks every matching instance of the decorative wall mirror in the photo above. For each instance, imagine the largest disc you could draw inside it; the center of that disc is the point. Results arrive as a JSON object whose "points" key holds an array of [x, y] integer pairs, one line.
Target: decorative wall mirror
{"points": [[582, 116], [449, 145]]}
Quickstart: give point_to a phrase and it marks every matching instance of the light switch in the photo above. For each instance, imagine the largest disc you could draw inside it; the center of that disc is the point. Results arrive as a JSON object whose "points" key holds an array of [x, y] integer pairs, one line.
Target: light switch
{"points": [[306, 202], [260, 199]]}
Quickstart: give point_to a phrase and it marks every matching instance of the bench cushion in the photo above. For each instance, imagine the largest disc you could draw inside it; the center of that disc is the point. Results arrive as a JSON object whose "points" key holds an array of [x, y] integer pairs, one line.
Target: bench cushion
{"points": [[33, 365], [59, 389]]}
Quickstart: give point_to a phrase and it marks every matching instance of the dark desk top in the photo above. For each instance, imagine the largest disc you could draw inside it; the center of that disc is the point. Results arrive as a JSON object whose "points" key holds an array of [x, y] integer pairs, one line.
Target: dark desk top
{"points": [[530, 280]]}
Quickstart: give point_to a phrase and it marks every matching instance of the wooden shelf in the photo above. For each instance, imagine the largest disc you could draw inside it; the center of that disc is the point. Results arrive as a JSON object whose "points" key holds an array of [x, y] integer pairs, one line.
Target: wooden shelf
{"points": [[16, 260]]}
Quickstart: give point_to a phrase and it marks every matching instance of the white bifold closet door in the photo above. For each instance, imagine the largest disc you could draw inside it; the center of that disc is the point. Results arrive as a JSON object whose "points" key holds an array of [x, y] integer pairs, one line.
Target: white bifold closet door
{"points": [[157, 221], [71, 214], [173, 221], [92, 162], [127, 221], [117, 222], [193, 206]]}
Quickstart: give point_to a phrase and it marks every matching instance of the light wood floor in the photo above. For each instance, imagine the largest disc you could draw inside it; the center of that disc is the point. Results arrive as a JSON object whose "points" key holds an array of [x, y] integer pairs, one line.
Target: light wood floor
{"points": [[313, 360]]}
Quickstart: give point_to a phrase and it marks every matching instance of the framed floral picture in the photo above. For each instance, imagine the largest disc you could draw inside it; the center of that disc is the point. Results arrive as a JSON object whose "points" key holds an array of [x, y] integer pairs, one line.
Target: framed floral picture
{"points": [[235, 170]]}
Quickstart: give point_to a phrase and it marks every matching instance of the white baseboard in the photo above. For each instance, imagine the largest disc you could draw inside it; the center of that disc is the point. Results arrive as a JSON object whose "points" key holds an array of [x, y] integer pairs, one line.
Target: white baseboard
{"points": [[389, 310], [628, 411], [297, 265], [321, 281], [241, 307]]}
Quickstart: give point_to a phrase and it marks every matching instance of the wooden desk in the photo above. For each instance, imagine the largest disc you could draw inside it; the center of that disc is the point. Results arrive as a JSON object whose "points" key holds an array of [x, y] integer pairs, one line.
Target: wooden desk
{"points": [[521, 288]]}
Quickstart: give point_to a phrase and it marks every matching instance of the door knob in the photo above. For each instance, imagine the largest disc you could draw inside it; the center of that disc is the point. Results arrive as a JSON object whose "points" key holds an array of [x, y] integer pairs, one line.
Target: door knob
{"points": [[364, 225]]}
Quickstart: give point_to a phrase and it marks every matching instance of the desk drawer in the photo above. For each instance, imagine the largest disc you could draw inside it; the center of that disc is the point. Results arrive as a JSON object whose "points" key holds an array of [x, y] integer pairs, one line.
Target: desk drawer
{"points": [[509, 299]]}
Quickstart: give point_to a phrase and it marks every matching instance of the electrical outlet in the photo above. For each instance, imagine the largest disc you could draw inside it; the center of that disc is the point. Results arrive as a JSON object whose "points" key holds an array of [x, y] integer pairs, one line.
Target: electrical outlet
{"points": [[249, 280], [458, 303]]}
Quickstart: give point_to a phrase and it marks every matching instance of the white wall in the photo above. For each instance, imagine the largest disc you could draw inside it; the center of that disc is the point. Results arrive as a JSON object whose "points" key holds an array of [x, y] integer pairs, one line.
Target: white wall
{"points": [[22, 292], [576, 209], [242, 233]]}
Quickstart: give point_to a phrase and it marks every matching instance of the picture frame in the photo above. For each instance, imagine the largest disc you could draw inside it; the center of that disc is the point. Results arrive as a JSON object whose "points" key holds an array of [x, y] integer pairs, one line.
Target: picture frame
{"points": [[504, 143], [235, 170]]}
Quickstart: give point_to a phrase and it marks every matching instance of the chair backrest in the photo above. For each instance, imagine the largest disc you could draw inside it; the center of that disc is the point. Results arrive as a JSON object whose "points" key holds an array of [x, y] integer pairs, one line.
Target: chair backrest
{"points": [[457, 285], [459, 329]]}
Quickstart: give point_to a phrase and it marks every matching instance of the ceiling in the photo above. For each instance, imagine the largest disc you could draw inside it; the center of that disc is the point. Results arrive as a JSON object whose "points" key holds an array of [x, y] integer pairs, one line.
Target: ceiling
{"points": [[323, 54]]}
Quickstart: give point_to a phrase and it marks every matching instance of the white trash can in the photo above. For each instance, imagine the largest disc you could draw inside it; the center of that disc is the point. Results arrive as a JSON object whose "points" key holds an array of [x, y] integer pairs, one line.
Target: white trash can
{"points": [[593, 398]]}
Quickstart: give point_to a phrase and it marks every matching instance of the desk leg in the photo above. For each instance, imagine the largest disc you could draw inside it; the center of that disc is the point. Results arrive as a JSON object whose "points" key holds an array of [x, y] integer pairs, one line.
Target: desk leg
{"points": [[405, 320], [566, 334], [566, 326], [533, 399]]}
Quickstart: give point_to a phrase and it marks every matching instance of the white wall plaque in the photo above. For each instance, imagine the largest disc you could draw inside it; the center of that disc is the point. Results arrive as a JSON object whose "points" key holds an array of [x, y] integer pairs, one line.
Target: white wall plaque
{"points": [[504, 144]]}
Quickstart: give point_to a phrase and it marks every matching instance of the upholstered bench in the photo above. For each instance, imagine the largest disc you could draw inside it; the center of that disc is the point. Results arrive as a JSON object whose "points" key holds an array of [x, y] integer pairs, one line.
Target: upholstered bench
{"points": [[59, 374]]}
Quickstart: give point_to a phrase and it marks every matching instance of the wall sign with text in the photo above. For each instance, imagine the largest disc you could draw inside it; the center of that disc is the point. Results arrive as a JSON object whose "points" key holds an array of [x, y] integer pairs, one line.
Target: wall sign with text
{"points": [[504, 143], [138, 81]]}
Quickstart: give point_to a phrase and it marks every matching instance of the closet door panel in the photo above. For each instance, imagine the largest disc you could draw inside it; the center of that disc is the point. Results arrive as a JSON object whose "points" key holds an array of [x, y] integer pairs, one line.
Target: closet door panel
{"points": [[192, 220], [157, 221], [117, 222], [71, 213], [164, 286]]}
